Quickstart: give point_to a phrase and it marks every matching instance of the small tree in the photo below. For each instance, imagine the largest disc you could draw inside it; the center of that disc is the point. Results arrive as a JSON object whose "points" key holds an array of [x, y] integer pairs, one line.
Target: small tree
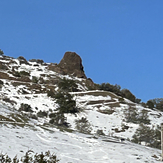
{"points": [[35, 79], [143, 117], [1, 52], [133, 116], [65, 102], [150, 136], [127, 94], [30, 157], [51, 93], [68, 85], [150, 104], [109, 87], [83, 125], [158, 103], [137, 100], [58, 119]]}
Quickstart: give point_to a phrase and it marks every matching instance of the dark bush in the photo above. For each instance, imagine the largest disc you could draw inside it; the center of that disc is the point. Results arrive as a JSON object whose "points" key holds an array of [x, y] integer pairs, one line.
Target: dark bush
{"points": [[42, 114], [3, 66], [66, 103], [121, 100], [68, 85], [51, 93], [151, 136], [150, 104], [16, 74], [24, 73], [1, 52], [143, 104], [25, 107], [33, 116], [137, 100], [83, 125], [112, 88], [158, 103], [34, 79], [22, 60], [1, 82], [100, 132], [133, 116], [37, 61], [52, 115], [21, 73], [58, 119], [127, 94], [30, 157]]}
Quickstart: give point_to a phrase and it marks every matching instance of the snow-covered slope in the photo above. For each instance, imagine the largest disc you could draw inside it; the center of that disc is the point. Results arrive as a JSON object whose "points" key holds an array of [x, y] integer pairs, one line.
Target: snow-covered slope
{"points": [[16, 139], [28, 83]]}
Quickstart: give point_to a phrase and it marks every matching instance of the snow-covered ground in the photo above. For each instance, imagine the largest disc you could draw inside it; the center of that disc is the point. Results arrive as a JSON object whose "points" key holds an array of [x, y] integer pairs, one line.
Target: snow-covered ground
{"points": [[71, 146]]}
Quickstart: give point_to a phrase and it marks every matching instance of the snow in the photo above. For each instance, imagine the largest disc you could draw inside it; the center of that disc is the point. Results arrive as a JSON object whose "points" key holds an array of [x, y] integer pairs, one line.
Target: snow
{"points": [[71, 146]]}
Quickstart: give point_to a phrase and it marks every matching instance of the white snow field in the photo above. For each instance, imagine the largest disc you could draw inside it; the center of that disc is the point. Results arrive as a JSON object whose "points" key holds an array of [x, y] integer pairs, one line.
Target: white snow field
{"points": [[69, 147], [72, 147]]}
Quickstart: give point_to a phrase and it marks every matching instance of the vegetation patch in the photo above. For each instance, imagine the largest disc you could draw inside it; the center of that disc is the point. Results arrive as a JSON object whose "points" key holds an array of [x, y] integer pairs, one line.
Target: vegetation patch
{"points": [[4, 75], [17, 83], [30, 157], [100, 132], [58, 119], [98, 93], [3, 66], [1, 82], [151, 136], [113, 105], [106, 111], [35, 79], [42, 114], [68, 85], [66, 103], [99, 102], [83, 125], [20, 73], [9, 101], [133, 116], [3, 118], [25, 108]]}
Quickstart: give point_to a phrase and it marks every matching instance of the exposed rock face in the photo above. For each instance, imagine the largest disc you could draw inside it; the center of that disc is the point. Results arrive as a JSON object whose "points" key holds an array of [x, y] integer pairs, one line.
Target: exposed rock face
{"points": [[22, 60], [71, 64], [56, 68]]}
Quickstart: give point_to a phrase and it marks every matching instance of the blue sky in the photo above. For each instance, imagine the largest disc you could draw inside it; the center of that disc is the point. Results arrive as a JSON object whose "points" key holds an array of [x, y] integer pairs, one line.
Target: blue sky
{"points": [[120, 42]]}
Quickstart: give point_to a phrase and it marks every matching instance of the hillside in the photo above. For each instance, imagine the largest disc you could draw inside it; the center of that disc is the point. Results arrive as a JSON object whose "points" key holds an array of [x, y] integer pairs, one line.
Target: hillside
{"points": [[100, 132]]}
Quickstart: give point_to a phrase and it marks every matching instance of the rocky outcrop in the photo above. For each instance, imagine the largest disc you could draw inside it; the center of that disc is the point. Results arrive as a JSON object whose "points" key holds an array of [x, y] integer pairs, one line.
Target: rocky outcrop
{"points": [[54, 67], [22, 60], [71, 64], [40, 61]]}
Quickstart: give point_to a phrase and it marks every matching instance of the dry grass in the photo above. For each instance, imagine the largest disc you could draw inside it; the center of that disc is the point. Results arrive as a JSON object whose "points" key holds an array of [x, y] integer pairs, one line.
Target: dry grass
{"points": [[99, 93], [99, 102], [107, 111], [113, 105], [4, 75], [15, 84]]}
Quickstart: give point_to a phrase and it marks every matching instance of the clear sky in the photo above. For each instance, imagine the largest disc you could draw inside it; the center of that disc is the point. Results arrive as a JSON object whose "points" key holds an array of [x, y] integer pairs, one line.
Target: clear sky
{"points": [[119, 41]]}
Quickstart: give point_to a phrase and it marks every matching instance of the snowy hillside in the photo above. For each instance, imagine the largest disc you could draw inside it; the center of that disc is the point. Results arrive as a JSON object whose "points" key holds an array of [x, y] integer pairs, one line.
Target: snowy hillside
{"points": [[17, 138], [23, 96]]}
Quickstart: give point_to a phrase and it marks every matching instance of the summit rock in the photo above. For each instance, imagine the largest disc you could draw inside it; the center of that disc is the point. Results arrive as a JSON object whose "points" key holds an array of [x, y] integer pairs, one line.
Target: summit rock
{"points": [[71, 64]]}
